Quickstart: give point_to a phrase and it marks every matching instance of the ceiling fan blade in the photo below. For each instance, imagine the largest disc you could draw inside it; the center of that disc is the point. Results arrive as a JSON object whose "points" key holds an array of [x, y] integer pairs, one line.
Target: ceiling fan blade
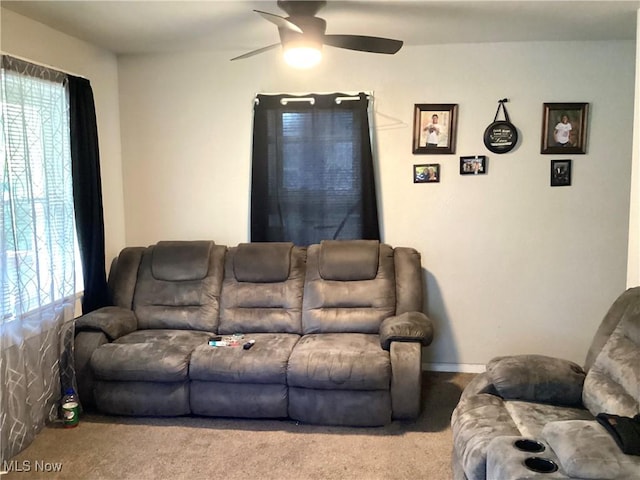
{"points": [[363, 43], [281, 22], [256, 52]]}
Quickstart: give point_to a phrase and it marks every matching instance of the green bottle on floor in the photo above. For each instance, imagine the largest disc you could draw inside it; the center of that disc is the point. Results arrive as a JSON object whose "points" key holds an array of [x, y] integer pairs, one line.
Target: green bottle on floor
{"points": [[70, 409]]}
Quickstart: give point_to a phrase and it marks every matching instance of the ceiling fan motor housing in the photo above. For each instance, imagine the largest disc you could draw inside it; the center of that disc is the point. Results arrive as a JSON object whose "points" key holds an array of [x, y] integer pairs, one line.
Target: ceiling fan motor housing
{"points": [[304, 8], [313, 29], [302, 33]]}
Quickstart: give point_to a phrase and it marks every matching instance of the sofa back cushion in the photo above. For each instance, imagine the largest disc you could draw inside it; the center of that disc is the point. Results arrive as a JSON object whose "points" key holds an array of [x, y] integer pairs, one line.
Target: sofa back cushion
{"points": [[262, 262], [349, 261], [621, 308], [262, 289], [612, 384], [179, 284], [180, 261], [349, 287]]}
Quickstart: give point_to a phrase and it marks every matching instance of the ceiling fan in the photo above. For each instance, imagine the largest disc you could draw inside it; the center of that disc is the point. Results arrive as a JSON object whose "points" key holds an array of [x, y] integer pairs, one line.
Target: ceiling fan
{"points": [[302, 35]]}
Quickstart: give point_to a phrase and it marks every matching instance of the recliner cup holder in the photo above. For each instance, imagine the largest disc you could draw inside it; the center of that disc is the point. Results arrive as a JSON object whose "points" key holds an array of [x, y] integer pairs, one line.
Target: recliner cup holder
{"points": [[540, 465], [528, 445]]}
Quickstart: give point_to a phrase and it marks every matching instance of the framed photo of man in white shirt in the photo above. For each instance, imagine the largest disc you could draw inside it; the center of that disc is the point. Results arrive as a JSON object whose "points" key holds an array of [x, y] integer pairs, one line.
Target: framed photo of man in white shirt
{"points": [[564, 128], [434, 128]]}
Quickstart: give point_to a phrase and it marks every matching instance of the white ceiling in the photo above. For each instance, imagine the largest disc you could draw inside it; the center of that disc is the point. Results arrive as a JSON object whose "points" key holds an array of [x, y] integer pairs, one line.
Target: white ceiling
{"points": [[131, 27]]}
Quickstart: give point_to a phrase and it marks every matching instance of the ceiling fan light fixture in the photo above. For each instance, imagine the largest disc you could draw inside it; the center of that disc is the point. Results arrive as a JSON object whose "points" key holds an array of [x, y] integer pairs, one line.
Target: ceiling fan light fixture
{"points": [[302, 56], [302, 35]]}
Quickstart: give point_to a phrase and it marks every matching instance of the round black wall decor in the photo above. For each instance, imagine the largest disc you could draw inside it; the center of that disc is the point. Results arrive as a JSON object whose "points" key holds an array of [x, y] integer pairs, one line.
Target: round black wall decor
{"points": [[501, 136]]}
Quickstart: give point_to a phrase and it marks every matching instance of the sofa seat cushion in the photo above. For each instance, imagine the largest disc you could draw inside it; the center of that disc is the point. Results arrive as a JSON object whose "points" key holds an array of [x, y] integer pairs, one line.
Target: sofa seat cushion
{"points": [[584, 448], [342, 361], [191, 338], [147, 355], [265, 362], [530, 417]]}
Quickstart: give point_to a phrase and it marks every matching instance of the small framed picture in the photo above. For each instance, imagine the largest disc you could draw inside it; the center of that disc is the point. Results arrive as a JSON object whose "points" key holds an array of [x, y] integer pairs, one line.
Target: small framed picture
{"points": [[476, 165], [429, 173], [434, 128], [564, 128], [560, 173]]}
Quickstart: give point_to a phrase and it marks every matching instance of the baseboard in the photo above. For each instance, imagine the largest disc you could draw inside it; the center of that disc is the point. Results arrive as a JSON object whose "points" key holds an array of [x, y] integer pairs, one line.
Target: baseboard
{"points": [[454, 367]]}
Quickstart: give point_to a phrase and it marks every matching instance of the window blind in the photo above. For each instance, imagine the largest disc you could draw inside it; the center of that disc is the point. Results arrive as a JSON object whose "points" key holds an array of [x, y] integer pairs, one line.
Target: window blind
{"points": [[37, 244]]}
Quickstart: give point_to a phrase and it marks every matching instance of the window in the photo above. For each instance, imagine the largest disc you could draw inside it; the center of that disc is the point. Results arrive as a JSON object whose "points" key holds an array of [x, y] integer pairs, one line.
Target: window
{"points": [[312, 170], [37, 243], [334, 165]]}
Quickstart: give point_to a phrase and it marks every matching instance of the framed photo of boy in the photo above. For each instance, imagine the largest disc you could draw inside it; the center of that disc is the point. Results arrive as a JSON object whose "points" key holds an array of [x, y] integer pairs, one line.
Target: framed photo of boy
{"points": [[560, 173], [434, 128], [564, 128], [429, 173]]}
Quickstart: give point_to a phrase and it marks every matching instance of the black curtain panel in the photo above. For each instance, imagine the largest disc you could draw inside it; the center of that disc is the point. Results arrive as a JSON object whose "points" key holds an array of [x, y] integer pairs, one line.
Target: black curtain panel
{"points": [[87, 192], [312, 169]]}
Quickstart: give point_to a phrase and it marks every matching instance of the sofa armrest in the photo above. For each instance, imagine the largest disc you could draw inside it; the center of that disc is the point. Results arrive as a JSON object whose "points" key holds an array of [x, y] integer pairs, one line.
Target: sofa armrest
{"points": [[479, 384], [408, 327], [114, 322], [86, 342], [537, 378]]}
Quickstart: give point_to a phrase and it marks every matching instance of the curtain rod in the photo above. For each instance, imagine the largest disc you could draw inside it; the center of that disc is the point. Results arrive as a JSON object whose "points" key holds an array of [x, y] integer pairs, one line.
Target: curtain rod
{"points": [[40, 64], [312, 100]]}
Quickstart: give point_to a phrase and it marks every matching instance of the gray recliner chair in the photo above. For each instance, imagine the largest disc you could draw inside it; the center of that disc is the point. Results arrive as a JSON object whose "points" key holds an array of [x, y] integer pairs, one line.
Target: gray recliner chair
{"points": [[532, 416]]}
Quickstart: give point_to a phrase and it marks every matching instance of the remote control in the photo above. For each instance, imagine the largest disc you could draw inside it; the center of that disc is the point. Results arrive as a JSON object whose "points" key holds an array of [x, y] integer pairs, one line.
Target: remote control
{"points": [[249, 344]]}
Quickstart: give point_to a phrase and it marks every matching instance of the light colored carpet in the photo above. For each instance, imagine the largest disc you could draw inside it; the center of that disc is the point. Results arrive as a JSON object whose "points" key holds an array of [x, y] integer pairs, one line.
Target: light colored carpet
{"points": [[232, 449]]}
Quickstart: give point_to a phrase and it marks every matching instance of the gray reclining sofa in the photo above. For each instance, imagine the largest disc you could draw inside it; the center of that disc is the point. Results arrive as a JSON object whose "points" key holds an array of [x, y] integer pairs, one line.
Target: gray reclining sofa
{"points": [[532, 416], [338, 330]]}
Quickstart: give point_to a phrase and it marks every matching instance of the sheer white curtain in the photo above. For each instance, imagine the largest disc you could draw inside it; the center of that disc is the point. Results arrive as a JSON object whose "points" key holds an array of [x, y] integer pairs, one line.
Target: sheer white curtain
{"points": [[37, 251]]}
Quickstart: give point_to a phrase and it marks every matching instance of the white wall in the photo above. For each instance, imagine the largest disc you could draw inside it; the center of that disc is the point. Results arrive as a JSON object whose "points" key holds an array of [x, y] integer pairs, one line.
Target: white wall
{"points": [[34, 41], [633, 260], [512, 265]]}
